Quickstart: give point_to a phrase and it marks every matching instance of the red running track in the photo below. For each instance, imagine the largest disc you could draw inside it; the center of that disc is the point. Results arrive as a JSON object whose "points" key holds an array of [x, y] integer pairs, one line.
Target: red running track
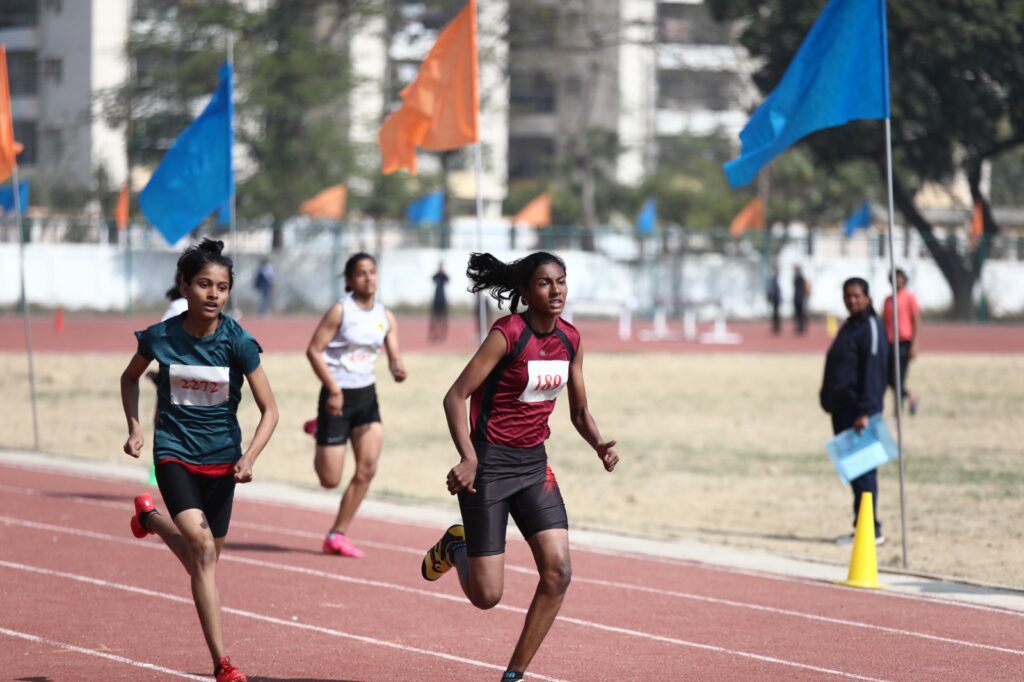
{"points": [[84, 600], [291, 333]]}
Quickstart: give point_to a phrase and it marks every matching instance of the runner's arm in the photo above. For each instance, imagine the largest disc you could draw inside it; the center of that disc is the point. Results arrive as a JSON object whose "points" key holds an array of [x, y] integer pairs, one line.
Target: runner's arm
{"points": [[325, 331], [581, 418], [269, 415], [395, 364], [480, 366], [130, 402]]}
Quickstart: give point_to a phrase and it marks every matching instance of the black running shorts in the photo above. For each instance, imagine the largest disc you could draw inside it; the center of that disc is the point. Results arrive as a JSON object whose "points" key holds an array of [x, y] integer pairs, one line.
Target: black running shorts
{"points": [[510, 481], [182, 489], [359, 406]]}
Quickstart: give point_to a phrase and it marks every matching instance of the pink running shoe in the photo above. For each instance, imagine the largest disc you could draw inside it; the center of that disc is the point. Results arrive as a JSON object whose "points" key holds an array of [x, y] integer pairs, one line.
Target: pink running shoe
{"points": [[310, 426], [338, 543]]}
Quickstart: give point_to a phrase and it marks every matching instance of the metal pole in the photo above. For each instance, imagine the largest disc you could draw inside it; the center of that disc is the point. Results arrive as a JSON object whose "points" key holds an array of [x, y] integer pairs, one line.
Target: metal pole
{"points": [[26, 315], [895, 350], [235, 251], [128, 263], [480, 301]]}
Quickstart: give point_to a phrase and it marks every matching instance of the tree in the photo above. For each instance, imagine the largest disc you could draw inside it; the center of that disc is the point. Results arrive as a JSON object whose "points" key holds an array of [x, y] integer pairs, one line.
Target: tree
{"points": [[957, 90], [293, 79]]}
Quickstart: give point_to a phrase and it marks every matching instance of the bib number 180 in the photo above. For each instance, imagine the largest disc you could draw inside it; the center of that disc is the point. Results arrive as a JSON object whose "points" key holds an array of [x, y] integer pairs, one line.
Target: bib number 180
{"points": [[546, 379], [546, 382]]}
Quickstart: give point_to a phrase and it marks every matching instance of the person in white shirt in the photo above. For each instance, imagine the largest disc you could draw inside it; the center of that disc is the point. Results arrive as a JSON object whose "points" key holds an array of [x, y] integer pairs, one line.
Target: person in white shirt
{"points": [[343, 353]]}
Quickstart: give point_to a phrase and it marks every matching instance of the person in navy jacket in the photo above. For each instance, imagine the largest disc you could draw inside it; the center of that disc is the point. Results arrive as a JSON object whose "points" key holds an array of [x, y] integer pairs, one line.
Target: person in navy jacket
{"points": [[853, 388]]}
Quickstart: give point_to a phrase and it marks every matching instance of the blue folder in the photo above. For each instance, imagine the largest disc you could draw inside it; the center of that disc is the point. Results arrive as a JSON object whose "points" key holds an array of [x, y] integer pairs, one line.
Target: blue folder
{"points": [[855, 454]]}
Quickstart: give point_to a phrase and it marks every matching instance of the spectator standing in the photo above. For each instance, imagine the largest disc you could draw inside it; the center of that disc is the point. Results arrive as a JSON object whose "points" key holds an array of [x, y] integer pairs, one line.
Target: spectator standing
{"points": [[910, 325], [265, 278], [438, 330], [774, 294], [853, 388], [801, 292]]}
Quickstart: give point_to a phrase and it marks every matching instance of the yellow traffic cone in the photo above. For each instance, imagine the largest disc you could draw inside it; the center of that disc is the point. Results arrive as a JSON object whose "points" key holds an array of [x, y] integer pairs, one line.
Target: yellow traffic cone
{"points": [[831, 325], [863, 563]]}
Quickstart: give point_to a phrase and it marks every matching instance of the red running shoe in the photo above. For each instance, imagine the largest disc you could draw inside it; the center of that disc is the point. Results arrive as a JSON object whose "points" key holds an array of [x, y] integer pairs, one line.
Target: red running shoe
{"points": [[229, 673], [143, 505], [310, 427]]}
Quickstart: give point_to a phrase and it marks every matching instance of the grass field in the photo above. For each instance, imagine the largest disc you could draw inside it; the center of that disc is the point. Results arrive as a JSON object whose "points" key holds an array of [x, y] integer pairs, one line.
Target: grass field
{"points": [[719, 448]]}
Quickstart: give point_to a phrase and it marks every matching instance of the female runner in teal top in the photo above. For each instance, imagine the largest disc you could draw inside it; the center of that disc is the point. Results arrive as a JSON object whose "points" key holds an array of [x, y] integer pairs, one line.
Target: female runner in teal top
{"points": [[203, 356]]}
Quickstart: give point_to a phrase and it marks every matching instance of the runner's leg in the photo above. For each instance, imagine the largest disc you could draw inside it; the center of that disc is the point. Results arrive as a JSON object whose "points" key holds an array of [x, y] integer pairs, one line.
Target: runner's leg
{"points": [[551, 553]]}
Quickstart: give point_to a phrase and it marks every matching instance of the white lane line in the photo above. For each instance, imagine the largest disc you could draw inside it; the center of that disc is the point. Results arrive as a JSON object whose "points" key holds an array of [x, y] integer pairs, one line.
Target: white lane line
{"points": [[99, 654], [579, 579], [97, 582], [670, 561], [801, 614], [438, 595]]}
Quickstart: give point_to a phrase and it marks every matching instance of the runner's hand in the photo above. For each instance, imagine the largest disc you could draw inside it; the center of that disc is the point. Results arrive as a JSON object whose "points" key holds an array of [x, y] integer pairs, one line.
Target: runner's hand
{"points": [[608, 456], [462, 476], [243, 470], [335, 402], [397, 371], [133, 446]]}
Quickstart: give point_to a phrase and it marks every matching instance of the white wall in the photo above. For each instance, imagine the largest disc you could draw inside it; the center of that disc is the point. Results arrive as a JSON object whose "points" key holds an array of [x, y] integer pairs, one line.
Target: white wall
{"points": [[94, 277]]}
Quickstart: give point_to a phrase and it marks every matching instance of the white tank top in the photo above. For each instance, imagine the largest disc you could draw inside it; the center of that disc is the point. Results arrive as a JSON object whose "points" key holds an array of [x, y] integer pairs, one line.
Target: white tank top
{"points": [[352, 353]]}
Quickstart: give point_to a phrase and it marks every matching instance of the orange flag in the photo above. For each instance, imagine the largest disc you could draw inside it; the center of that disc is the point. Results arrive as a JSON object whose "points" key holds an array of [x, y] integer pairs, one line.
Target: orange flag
{"points": [[8, 147], [440, 109], [977, 222], [750, 218], [537, 213], [121, 210], [328, 203]]}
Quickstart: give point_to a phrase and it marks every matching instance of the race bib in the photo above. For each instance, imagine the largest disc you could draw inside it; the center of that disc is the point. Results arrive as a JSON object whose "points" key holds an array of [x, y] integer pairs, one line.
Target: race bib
{"points": [[359, 360], [545, 379], [199, 385]]}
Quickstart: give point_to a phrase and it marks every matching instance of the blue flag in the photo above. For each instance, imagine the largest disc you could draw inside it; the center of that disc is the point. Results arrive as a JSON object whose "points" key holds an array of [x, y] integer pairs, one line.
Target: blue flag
{"points": [[196, 176], [7, 196], [647, 217], [859, 219], [839, 74], [427, 209]]}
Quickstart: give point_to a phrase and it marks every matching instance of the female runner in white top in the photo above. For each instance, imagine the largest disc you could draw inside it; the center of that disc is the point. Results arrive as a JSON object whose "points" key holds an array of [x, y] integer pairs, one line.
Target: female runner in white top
{"points": [[343, 353]]}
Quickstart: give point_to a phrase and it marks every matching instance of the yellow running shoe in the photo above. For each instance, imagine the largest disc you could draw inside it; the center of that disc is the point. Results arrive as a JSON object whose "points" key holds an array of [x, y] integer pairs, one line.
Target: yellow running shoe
{"points": [[438, 559]]}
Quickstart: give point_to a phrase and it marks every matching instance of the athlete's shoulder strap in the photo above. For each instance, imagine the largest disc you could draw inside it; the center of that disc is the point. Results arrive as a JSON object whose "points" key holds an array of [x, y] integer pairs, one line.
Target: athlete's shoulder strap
{"points": [[570, 347]]}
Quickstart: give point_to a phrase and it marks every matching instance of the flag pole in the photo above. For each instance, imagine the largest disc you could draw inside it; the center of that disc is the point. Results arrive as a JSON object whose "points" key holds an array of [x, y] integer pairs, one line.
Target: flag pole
{"points": [[235, 251], [478, 164], [895, 349], [481, 305], [26, 316]]}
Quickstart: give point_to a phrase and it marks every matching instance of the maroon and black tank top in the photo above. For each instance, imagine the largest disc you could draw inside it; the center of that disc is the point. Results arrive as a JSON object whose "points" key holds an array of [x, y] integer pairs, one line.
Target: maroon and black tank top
{"points": [[512, 406]]}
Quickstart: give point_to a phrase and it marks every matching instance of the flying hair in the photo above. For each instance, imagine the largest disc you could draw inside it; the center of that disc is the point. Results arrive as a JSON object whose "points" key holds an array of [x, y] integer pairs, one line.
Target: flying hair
{"points": [[504, 280], [198, 256]]}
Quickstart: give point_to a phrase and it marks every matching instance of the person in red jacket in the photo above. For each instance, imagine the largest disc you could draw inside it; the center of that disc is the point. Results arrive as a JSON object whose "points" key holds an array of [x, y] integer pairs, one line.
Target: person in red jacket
{"points": [[512, 383], [910, 326]]}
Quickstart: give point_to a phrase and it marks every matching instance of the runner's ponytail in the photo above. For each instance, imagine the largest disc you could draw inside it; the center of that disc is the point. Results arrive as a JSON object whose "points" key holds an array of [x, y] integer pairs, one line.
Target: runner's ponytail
{"points": [[504, 280]]}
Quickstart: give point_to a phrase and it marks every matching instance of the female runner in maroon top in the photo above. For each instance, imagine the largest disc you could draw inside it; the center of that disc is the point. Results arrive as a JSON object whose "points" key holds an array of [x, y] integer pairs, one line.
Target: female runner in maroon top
{"points": [[512, 382]]}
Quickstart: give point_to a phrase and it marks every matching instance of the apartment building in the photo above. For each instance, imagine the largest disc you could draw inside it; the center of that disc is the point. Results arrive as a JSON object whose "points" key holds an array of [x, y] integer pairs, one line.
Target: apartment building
{"points": [[62, 55], [643, 71]]}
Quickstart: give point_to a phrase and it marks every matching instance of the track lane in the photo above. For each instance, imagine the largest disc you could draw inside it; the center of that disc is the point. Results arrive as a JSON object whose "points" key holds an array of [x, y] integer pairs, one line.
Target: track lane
{"points": [[262, 541]]}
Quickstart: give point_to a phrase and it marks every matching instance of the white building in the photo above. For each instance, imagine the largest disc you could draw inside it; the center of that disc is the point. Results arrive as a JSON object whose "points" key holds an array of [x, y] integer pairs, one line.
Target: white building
{"points": [[62, 55], [662, 69]]}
